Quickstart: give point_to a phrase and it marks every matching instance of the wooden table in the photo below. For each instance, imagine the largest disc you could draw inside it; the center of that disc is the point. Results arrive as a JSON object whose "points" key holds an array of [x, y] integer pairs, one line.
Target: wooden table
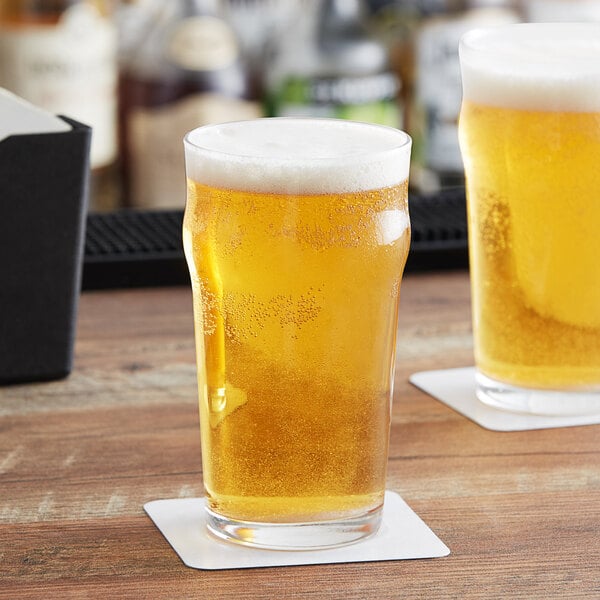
{"points": [[78, 459]]}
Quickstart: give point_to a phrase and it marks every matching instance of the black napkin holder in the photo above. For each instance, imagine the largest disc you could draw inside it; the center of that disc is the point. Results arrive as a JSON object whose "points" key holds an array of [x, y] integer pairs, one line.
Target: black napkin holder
{"points": [[44, 181]]}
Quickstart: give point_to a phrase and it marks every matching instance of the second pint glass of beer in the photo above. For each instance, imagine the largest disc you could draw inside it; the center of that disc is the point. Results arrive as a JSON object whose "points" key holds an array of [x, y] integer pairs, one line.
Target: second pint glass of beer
{"points": [[530, 137], [296, 233]]}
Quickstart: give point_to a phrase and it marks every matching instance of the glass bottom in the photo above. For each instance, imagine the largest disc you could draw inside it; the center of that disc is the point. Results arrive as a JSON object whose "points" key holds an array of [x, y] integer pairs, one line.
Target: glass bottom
{"points": [[295, 536], [531, 401]]}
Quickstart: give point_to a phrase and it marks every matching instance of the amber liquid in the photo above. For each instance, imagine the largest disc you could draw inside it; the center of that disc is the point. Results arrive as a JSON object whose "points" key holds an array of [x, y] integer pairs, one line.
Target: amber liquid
{"points": [[295, 302], [534, 209]]}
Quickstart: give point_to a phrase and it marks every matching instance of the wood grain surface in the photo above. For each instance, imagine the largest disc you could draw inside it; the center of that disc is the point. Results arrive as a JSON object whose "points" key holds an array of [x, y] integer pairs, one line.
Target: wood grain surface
{"points": [[78, 459]]}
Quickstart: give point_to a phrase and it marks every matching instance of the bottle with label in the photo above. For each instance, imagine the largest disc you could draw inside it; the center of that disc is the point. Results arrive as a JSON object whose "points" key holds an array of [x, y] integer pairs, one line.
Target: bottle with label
{"points": [[133, 19], [186, 72], [396, 23], [437, 160], [61, 55], [329, 65], [257, 23]]}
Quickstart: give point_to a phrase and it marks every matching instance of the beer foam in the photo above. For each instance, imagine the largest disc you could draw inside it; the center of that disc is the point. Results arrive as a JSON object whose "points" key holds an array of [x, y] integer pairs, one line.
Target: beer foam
{"points": [[297, 156], [533, 66]]}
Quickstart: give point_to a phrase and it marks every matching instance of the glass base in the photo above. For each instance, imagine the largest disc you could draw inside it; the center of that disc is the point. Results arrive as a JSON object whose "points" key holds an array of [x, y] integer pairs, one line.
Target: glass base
{"points": [[295, 536], [531, 401]]}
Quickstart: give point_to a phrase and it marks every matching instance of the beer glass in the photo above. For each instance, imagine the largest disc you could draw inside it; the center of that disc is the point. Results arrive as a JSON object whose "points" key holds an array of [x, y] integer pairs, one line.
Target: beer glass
{"points": [[296, 233], [530, 138]]}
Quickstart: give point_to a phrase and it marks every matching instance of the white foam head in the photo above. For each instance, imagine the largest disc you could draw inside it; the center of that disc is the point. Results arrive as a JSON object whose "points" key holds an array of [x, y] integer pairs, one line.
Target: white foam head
{"points": [[297, 156], [533, 66]]}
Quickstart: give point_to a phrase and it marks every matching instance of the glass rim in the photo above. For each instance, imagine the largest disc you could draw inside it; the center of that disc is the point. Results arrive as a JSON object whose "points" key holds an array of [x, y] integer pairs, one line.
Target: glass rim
{"points": [[405, 141]]}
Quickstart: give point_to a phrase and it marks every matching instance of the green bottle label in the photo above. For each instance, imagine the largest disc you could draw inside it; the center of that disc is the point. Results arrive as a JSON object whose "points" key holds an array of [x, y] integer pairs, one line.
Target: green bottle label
{"points": [[371, 98]]}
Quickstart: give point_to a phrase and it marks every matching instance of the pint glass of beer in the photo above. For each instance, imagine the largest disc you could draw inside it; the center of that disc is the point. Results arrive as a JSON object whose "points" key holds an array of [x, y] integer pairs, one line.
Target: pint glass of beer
{"points": [[530, 138], [296, 233]]}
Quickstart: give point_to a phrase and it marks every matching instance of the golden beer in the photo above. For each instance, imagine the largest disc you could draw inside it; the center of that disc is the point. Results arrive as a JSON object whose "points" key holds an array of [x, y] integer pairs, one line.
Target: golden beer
{"points": [[295, 302], [535, 212], [530, 137]]}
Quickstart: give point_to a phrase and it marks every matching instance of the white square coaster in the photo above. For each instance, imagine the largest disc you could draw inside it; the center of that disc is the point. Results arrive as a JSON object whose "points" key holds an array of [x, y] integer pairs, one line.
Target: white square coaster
{"points": [[402, 535], [456, 389]]}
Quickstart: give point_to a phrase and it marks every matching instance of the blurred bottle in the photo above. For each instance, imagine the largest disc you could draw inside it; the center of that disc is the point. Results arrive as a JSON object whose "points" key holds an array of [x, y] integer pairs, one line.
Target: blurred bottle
{"points": [[61, 56], [396, 23], [257, 23], [437, 161], [133, 19], [186, 71], [541, 11], [328, 65]]}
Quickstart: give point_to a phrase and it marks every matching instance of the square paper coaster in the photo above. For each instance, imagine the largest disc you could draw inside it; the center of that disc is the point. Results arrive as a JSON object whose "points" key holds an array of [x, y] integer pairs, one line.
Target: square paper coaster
{"points": [[456, 388], [402, 535]]}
